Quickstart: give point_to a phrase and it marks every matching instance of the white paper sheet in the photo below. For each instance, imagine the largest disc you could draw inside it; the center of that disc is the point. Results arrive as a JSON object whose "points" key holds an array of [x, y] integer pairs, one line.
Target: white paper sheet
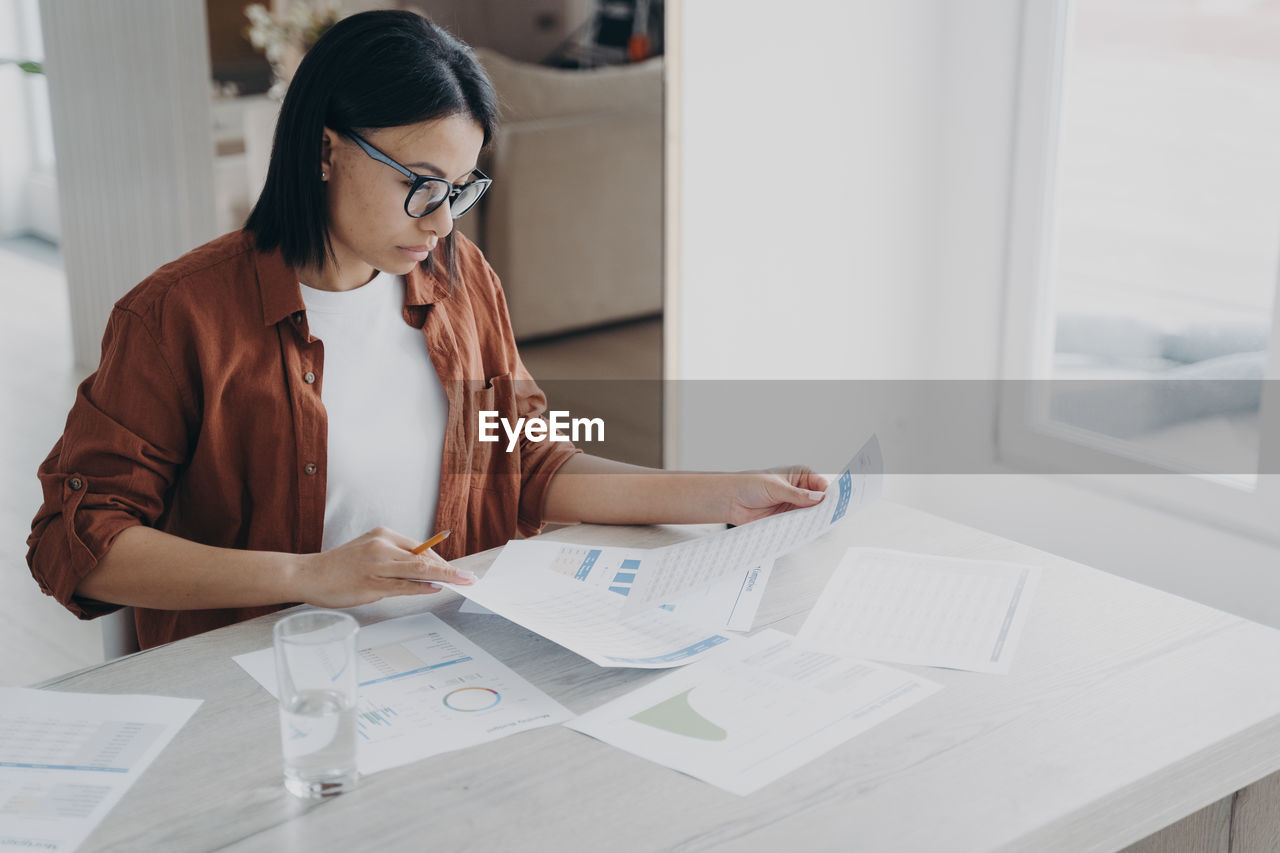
{"points": [[667, 574], [66, 759], [922, 609], [426, 689], [753, 711], [532, 584], [729, 604]]}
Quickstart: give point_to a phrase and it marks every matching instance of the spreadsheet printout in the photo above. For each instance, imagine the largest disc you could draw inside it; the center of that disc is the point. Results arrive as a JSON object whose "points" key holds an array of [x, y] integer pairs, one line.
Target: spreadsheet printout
{"points": [[66, 759], [729, 604], [532, 583], [922, 609], [676, 570]]}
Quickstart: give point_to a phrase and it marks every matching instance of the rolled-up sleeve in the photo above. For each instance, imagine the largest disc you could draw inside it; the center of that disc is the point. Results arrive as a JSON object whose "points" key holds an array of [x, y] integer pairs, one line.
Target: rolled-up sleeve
{"points": [[125, 438]]}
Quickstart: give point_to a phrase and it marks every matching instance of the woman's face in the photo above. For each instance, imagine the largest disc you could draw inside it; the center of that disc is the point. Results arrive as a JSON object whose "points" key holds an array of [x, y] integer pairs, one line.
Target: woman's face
{"points": [[365, 198]]}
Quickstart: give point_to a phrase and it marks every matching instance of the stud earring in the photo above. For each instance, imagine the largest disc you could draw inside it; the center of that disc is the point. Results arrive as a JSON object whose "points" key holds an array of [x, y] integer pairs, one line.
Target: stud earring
{"points": [[324, 176]]}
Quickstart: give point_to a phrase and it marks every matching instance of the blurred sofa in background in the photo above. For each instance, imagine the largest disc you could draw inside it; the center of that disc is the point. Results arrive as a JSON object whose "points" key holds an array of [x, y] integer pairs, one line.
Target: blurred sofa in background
{"points": [[573, 223]]}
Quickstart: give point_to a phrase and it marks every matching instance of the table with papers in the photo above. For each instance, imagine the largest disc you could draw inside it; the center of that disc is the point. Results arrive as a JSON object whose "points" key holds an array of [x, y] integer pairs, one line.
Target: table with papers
{"points": [[1123, 711]]}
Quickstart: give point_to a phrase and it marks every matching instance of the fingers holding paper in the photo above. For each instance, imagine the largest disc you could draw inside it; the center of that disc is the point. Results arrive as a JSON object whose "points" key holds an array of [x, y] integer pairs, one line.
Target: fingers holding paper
{"points": [[758, 494], [378, 564]]}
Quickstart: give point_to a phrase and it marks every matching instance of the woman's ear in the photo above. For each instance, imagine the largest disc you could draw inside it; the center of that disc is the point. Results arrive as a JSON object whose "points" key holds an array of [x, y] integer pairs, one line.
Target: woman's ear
{"points": [[327, 143]]}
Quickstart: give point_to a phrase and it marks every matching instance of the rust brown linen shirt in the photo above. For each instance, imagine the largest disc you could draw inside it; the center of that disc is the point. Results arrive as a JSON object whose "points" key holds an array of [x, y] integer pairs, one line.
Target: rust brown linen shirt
{"points": [[204, 419]]}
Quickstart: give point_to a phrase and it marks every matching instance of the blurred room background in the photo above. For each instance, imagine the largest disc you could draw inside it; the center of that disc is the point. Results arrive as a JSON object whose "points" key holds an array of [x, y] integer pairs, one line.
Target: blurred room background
{"points": [[719, 190]]}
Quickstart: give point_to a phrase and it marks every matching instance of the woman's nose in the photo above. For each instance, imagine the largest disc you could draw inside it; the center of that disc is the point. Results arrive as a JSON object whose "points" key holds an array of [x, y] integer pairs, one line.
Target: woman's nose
{"points": [[438, 221]]}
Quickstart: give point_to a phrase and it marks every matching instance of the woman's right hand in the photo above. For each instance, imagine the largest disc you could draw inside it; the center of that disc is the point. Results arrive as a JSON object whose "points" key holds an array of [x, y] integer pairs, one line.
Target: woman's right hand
{"points": [[373, 566]]}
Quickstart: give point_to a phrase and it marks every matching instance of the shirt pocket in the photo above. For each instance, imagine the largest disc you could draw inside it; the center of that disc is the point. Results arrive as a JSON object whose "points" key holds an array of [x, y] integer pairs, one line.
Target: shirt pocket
{"points": [[491, 465]]}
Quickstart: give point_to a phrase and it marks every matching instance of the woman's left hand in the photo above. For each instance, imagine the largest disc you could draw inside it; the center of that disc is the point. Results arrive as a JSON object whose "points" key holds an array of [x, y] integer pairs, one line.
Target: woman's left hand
{"points": [[759, 494]]}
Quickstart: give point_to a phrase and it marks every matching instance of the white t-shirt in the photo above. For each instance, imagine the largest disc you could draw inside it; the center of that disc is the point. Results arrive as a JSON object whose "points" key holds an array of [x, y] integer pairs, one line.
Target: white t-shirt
{"points": [[387, 413]]}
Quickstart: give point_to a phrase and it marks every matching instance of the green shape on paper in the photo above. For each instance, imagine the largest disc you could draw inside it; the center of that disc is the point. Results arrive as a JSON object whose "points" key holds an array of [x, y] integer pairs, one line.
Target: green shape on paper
{"points": [[677, 716]]}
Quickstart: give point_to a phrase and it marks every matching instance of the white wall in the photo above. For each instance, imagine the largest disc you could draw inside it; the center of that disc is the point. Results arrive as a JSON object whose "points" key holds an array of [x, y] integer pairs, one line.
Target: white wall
{"points": [[15, 155], [128, 88], [808, 133], [897, 269]]}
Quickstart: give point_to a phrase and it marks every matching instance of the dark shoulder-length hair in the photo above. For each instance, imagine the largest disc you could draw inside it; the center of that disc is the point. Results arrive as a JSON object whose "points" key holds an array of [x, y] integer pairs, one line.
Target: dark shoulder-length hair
{"points": [[371, 70]]}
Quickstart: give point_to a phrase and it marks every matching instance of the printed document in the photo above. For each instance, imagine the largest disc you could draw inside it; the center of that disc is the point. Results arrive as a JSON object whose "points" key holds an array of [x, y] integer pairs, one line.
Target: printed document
{"points": [[535, 583], [753, 711], [672, 571], [729, 604], [922, 609], [426, 689], [647, 607], [66, 759]]}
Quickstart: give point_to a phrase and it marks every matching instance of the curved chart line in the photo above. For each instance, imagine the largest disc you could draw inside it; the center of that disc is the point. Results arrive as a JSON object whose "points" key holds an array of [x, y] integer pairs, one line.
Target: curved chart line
{"points": [[469, 699], [677, 716]]}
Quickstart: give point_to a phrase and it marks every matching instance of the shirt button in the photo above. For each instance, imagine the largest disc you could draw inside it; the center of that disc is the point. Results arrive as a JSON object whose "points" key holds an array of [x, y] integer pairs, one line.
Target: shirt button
{"points": [[308, 377], [309, 468], [76, 483]]}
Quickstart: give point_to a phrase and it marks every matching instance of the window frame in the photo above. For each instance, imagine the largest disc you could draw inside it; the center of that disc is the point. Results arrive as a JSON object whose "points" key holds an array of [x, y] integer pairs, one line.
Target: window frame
{"points": [[1023, 441]]}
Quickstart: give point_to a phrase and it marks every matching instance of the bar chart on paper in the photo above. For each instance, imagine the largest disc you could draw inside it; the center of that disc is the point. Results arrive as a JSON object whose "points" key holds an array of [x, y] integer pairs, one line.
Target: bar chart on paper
{"points": [[612, 568]]}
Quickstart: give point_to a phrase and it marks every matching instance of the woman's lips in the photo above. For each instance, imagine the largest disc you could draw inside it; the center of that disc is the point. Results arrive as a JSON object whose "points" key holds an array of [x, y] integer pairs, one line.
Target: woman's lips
{"points": [[418, 253]]}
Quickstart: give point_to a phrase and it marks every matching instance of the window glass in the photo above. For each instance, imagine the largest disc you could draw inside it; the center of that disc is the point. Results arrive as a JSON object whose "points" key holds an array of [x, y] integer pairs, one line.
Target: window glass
{"points": [[1165, 224]]}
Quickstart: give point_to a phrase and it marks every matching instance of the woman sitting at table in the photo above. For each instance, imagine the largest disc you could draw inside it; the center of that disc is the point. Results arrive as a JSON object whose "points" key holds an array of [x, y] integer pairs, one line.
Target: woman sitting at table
{"points": [[283, 414]]}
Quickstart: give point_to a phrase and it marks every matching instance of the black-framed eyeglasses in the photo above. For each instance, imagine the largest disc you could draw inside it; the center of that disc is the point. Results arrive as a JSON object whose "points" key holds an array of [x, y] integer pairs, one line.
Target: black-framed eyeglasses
{"points": [[427, 192]]}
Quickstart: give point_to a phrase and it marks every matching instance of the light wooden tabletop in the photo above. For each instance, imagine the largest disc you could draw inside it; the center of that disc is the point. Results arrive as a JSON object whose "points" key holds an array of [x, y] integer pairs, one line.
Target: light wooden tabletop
{"points": [[1126, 710]]}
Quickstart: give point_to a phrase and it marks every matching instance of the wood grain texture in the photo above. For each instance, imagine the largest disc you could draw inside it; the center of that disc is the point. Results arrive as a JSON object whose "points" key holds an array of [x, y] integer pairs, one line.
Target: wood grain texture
{"points": [[1255, 817], [1205, 831], [1127, 710]]}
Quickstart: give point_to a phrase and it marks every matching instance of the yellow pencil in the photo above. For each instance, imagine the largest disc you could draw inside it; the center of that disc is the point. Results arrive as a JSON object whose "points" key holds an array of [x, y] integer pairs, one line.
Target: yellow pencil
{"points": [[432, 542]]}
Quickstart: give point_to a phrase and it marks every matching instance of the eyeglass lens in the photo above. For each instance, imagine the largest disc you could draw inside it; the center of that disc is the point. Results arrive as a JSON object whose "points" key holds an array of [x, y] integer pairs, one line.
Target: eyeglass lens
{"points": [[431, 194]]}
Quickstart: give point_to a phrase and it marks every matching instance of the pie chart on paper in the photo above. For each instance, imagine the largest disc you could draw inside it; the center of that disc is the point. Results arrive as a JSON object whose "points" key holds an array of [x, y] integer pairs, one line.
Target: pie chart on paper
{"points": [[472, 699]]}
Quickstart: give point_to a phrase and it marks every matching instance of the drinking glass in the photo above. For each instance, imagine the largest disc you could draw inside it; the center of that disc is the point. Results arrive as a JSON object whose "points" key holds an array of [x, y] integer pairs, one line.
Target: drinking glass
{"points": [[316, 680]]}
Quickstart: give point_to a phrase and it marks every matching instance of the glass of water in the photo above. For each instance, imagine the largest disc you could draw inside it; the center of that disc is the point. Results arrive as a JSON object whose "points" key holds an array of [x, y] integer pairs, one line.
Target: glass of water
{"points": [[316, 680]]}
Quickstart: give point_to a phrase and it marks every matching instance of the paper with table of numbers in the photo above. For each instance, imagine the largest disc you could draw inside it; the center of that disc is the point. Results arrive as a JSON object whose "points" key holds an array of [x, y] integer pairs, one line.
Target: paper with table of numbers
{"points": [[675, 570], [922, 609], [753, 711], [729, 604], [606, 602], [66, 759], [548, 588]]}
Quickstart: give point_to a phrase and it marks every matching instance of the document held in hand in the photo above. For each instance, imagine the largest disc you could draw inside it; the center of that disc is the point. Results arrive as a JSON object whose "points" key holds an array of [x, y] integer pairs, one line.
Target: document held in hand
{"points": [[610, 603], [676, 570]]}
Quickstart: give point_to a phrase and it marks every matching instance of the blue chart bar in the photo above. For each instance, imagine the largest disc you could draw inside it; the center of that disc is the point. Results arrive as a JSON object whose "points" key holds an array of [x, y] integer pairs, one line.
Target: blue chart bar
{"points": [[587, 563], [413, 671], [625, 577], [846, 491], [696, 648]]}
